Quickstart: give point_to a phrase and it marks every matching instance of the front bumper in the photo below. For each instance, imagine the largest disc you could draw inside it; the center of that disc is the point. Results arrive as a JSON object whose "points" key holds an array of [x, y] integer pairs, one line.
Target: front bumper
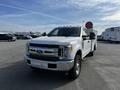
{"points": [[65, 65]]}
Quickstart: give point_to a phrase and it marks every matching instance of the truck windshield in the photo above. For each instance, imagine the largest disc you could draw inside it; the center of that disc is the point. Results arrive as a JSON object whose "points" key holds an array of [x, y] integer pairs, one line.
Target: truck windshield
{"points": [[66, 32]]}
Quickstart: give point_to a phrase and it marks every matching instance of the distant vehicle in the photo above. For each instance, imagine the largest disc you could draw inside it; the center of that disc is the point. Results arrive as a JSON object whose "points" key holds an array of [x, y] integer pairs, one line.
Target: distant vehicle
{"points": [[23, 36], [44, 34], [8, 37], [28, 37], [62, 49], [111, 34], [99, 38], [34, 35]]}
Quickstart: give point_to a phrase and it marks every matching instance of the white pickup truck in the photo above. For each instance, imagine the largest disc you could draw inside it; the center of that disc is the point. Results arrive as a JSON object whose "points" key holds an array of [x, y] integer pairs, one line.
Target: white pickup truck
{"points": [[61, 50]]}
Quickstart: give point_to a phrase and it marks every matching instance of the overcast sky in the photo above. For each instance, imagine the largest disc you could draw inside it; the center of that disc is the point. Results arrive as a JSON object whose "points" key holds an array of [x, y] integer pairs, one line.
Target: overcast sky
{"points": [[42, 15]]}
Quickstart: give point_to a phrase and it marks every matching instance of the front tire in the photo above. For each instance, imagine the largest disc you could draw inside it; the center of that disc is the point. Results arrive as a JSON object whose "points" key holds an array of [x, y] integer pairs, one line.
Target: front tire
{"points": [[75, 71]]}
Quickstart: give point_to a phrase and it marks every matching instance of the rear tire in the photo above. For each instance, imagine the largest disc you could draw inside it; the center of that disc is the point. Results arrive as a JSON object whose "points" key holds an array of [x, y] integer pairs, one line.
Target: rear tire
{"points": [[91, 53], [75, 71]]}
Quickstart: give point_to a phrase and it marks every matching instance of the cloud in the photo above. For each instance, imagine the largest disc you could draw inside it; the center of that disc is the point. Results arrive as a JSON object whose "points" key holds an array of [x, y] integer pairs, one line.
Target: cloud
{"points": [[7, 26], [104, 10], [14, 15], [61, 12], [91, 3], [102, 6], [35, 12], [11, 6], [113, 17]]}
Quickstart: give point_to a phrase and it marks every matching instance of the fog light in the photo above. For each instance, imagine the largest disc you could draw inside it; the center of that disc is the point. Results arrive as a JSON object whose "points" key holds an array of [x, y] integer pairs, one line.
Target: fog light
{"points": [[52, 65], [28, 61]]}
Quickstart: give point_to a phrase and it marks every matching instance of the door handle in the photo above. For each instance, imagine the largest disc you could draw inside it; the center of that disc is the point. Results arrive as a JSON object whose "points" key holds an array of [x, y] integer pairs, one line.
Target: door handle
{"points": [[88, 41]]}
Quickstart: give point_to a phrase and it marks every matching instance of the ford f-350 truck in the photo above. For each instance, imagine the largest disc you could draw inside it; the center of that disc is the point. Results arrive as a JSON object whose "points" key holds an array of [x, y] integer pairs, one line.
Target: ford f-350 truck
{"points": [[62, 49]]}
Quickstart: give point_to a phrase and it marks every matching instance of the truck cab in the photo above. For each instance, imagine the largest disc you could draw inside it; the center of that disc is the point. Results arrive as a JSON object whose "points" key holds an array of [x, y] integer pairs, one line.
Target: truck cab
{"points": [[62, 49]]}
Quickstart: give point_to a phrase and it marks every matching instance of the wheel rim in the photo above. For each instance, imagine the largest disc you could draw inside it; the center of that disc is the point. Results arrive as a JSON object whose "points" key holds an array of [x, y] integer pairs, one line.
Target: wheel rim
{"points": [[77, 67]]}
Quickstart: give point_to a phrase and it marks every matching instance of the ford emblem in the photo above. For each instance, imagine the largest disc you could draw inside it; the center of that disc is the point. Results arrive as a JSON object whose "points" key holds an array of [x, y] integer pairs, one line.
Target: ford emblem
{"points": [[39, 51]]}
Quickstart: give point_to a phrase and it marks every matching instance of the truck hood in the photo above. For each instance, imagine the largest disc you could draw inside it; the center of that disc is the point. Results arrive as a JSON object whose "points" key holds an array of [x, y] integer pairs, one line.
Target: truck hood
{"points": [[54, 40]]}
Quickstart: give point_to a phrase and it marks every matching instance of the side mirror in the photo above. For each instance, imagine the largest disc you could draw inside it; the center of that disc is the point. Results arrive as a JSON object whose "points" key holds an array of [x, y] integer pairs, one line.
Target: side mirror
{"points": [[92, 35], [84, 38], [44, 34]]}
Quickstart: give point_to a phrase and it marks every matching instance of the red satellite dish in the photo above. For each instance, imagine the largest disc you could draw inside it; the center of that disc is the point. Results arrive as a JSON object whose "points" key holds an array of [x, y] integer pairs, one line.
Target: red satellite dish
{"points": [[89, 25]]}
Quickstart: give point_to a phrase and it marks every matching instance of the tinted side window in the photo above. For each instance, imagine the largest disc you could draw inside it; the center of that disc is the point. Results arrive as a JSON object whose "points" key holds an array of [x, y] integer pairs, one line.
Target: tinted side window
{"points": [[54, 32], [69, 32]]}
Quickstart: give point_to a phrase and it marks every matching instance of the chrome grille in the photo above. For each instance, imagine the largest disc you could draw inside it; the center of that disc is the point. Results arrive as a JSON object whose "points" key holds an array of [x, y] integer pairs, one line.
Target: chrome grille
{"points": [[43, 51]]}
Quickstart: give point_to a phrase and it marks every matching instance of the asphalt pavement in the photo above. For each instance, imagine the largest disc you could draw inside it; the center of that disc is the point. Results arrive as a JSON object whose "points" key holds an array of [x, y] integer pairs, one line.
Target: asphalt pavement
{"points": [[100, 72]]}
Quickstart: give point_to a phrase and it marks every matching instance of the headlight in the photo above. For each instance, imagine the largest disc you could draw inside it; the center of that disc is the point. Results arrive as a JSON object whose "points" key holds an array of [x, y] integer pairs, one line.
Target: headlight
{"points": [[27, 48], [64, 51], [67, 50]]}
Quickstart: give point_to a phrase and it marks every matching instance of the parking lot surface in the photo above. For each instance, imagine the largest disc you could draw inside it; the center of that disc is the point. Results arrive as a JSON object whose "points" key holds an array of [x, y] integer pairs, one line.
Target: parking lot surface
{"points": [[100, 72]]}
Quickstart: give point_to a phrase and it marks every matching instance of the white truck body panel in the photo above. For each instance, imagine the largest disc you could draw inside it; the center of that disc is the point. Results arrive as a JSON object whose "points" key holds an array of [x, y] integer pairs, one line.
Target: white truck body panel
{"points": [[111, 34]]}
